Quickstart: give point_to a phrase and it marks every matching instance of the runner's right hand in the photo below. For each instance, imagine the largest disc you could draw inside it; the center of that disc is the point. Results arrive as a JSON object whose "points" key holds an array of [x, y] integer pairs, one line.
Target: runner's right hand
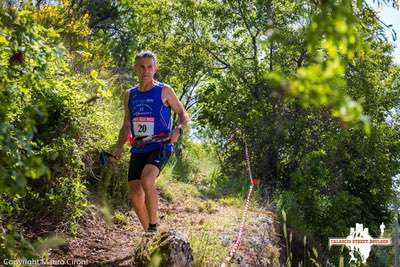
{"points": [[117, 152]]}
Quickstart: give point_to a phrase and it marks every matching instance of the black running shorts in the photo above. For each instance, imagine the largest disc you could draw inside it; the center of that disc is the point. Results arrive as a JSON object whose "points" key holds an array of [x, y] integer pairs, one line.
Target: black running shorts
{"points": [[137, 162]]}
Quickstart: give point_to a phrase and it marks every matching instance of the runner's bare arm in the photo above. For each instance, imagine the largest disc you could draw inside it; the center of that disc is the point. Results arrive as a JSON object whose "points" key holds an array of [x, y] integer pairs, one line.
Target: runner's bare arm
{"points": [[172, 100], [125, 128]]}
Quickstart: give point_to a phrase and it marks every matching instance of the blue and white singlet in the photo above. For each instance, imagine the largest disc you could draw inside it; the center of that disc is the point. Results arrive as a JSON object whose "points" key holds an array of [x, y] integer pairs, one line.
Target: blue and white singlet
{"points": [[149, 116]]}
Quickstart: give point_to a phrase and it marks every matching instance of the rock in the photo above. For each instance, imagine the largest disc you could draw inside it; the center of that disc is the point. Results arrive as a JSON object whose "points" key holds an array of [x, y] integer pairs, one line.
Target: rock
{"points": [[169, 248]]}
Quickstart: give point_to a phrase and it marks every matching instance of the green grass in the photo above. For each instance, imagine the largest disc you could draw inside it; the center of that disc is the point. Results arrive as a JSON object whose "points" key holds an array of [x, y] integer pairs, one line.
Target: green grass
{"points": [[208, 206], [174, 190], [232, 201], [208, 249], [120, 218]]}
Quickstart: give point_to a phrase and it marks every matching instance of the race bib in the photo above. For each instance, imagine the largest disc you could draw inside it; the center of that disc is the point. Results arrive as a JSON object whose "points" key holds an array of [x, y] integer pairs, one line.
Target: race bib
{"points": [[143, 126]]}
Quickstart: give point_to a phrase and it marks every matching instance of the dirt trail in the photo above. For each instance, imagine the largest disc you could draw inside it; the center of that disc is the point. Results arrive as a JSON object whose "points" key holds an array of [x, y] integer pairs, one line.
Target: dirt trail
{"points": [[101, 244]]}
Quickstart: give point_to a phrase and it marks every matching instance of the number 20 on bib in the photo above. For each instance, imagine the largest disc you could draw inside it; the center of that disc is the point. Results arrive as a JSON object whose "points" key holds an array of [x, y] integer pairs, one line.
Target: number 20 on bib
{"points": [[143, 126]]}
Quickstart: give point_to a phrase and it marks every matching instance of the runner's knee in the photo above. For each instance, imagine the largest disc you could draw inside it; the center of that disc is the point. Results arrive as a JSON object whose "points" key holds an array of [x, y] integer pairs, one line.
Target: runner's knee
{"points": [[136, 190], [148, 184], [137, 195]]}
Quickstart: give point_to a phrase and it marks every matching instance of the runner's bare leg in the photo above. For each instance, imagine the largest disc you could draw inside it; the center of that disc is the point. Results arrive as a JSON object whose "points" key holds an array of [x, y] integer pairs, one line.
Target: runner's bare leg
{"points": [[148, 178], [137, 196]]}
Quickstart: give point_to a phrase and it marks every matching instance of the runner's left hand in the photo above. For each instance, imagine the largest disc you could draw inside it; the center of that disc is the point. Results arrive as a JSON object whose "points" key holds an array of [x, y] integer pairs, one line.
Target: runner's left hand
{"points": [[174, 136]]}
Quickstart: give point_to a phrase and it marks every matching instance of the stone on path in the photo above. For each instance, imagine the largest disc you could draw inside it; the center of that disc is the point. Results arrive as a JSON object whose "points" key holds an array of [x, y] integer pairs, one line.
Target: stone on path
{"points": [[169, 248]]}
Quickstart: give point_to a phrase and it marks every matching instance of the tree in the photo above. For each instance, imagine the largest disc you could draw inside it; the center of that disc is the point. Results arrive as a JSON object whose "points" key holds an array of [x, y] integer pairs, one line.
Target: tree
{"points": [[299, 96]]}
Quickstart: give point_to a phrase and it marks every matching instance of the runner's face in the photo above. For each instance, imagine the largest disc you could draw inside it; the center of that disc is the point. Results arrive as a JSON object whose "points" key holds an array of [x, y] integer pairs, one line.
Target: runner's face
{"points": [[145, 69]]}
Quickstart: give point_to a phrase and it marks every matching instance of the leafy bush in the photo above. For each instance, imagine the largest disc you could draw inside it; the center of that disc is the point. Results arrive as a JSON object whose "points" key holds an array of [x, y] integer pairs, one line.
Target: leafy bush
{"points": [[45, 129]]}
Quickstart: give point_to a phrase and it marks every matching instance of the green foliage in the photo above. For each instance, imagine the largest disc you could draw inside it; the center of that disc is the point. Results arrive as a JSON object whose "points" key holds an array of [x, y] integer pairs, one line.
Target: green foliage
{"points": [[14, 244], [309, 84], [231, 201], [120, 218], [311, 99], [208, 250], [110, 186], [44, 126], [208, 206], [193, 162], [164, 187]]}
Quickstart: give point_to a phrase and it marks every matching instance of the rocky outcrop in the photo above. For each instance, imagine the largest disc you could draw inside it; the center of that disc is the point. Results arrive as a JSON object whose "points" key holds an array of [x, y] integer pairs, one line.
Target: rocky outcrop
{"points": [[169, 248]]}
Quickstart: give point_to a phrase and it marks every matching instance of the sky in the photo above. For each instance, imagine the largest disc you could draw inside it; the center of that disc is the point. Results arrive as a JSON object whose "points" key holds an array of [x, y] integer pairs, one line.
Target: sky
{"points": [[389, 15]]}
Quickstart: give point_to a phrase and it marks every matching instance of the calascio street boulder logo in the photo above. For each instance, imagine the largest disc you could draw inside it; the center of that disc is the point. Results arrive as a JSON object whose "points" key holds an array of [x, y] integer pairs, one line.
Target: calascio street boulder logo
{"points": [[359, 242]]}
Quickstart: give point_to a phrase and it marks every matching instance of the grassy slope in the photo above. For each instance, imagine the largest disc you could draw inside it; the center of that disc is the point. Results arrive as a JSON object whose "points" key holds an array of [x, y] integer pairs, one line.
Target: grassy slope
{"points": [[185, 204]]}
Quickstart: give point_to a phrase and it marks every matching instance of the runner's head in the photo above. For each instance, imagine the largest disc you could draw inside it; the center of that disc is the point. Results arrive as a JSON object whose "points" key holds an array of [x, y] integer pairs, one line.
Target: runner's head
{"points": [[145, 65]]}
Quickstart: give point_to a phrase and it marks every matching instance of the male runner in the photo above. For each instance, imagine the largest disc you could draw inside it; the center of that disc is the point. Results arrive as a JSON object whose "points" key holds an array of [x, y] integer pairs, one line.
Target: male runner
{"points": [[148, 112]]}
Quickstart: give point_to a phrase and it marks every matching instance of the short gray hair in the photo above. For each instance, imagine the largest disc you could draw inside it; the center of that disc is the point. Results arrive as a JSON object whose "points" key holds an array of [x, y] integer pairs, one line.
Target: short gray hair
{"points": [[147, 53]]}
